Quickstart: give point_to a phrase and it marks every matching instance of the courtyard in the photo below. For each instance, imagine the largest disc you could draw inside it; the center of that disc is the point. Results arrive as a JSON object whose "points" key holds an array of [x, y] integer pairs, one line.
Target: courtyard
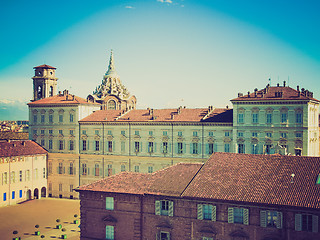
{"points": [[43, 212]]}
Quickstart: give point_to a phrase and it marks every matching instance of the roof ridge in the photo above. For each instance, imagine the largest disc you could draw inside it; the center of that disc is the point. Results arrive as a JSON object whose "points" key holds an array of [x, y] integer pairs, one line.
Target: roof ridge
{"points": [[192, 179]]}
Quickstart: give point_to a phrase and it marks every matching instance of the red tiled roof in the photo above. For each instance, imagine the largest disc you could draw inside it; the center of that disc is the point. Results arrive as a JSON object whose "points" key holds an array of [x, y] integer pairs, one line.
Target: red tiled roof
{"points": [[44, 66], [20, 148], [162, 115], [61, 99], [272, 93], [262, 179], [259, 179]]}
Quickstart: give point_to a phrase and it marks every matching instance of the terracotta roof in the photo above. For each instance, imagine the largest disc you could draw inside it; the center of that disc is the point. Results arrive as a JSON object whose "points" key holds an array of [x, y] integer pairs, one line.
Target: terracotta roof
{"points": [[20, 148], [276, 93], [44, 66], [259, 179], [162, 115], [61, 99], [14, 135], [262, 179]]}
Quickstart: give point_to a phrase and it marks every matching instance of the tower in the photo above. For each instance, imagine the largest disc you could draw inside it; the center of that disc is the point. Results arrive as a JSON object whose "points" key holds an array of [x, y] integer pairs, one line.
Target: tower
{"points": [[44, 82]]}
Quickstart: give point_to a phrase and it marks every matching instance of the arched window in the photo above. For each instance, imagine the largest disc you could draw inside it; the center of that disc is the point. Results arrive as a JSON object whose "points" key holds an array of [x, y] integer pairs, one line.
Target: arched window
{"points": [[111, 104], [39, 92], [51, 91]]}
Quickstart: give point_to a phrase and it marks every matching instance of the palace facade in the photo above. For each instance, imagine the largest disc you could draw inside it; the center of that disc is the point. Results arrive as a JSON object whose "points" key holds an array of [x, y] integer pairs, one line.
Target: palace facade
{"points": [[88, 139]]}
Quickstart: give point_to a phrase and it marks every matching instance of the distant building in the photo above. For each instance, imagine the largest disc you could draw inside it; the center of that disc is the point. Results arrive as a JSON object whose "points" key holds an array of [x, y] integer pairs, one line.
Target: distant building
{"points": [[23, 168], [231, 196], [88, 139]]}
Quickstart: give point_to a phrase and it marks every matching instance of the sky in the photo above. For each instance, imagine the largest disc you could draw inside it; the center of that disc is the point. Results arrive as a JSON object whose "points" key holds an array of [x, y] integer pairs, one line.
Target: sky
{"points": [[168, 53]]}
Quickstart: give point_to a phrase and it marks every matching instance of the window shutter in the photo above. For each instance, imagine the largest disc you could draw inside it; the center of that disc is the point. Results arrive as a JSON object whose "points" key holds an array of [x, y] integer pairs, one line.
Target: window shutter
{"points": [[81, 171], [88, 145], [246, 216], [214, 213], [155, 147], [315, 223], [158, 236], [191, 148], [169, 147], [263, 218], [279, 220], [200, 212], [215, 147], [207, 148], [170, 208], [157, 208], [184, 148], [113, 146], [148, 150], [88, 169], [140, 145], [161, 147], [298, 219], [74, 171], [113, 171], [64, 170], [230, 215], [176, 148], [100, 171]]}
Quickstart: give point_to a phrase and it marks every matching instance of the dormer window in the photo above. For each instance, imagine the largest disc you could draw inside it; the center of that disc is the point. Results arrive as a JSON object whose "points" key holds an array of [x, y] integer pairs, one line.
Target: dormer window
{"points": [[318, 179]]}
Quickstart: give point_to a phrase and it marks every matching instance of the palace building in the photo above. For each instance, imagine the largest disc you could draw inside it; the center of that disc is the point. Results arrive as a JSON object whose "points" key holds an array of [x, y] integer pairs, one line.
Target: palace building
{"points": [[88, 139]]}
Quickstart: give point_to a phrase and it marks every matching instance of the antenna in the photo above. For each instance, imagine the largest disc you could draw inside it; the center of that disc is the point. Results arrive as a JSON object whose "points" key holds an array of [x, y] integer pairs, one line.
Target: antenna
{"points": [[269, 81]]}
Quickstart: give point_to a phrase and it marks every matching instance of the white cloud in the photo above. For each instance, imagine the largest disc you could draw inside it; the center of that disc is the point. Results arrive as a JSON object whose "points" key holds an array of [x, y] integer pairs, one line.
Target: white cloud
{"points": [[165, 1], [129, 7]]}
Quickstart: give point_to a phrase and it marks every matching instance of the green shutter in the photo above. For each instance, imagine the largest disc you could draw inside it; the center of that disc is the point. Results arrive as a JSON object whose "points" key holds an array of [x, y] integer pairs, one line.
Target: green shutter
{"points": [[191, 148], [263, 218], [88, 171], [169, 147], [207, 148], [74, 171], [64, 170], [157, 208], [200, 212], [155, 147], [161, 147], [298, 222], [230, 215], [279, 220], [113, 146], [315, 223], [170, 209], [184, 148], [215, 147], [245, 216], [176, 148], [214, 213], [140, 146], [148, 150]]}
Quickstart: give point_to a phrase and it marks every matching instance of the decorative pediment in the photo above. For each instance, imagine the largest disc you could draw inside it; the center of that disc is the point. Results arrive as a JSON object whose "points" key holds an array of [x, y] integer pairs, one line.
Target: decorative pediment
{"points": [[151, 138], [239, 233], [211, 140], [208, 229], [136, 137], [123, 138], [109, 137], [240, 139], [164, 224], [97, 138], [227, 140], [254, 140], [195, 139], [165, 139], [109, 218], [180, 139]]}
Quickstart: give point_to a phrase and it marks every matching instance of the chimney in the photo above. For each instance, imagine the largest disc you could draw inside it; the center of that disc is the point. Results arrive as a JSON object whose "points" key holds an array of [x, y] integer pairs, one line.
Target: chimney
{"points": [[284, 83], [23, 143], [278, 85], [255, 92], [179, 110], [298, 88], [227, 107], [240, 94], [248, 94], [172, 115]]}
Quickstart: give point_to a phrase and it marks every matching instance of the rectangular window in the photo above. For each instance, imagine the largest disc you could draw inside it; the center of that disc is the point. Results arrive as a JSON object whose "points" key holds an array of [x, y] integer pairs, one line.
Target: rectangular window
{"points": [[60, 118], [180, 134], [271, 219], [35, 119], [194, 148], [255, 117], [137, 168], [254, 149], [20, 176], [123, 133], [137, 147], [42, 142], [150, 169], [241, 148], [71, 117], [50, 167], [84, 145], [110, 132], [71, 169], [180, 148], [299, 118], [165, 133], [284, 117], [283, 135], [269, 118], [150, 147], [150, 133], [240, 134], [61, 145], [238, 215], [254, 134], [71, 145], [240, 118], [84, 169], [50, 144], [195, 134], [269, 134], [210, 134], [306, 222], [61, 132], [96, 170], [71, 132], [50, 131], [13, 177], [109, 232], [164, 235], [4, 197], [109, 203], [164, 147], [35, 132], [71, 188], [44, 173], [164, 207], [298, 135], [136, 133], [60, 187], [42, 132], [20, 193], [50, 118], [13, 195], [97, 145], [207, 211], [96, 132], [109, 146], [5, 178], [123, 168], [226, 134], [227, 147], [84, 132], [60, 168], [42, 118]]}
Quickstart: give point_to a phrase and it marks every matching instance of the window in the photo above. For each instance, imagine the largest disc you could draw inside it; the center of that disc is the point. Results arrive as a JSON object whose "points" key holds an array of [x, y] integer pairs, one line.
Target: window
{"points": [[4, 197], [298, 135], [71, 117], [123, 168], [206, 212], [5, 178], [44, 173], [60, 187], [97, 145], [241, 148], [71, 132], [110, 132], [240, 118], [61, 132], [180, 148], [180, 134], [60, 118], [84, 132], [164, 207], [84, 169], [109, 232], [137, 147], [238, 215], [271, 219], [71, 170], [299, 118], [20, 193], [109, 171], [13, 195], [42, 118], [42, 132], [50, 144], [306, 222], [164, 235], [71, 188], [35, 119], [164, 147], [136, 133], [210, 134], [50, 131], [254, 134], [255, 117], [96, 170], [71, 145], [254, 149], [227, 147], [35, 131], [136, 169], [123, 133], [84, 145], [20, 176], [60, 168], [165, 133], [150, 169], [61, 145], [150, 147], [96, 132], [195, 134], [226, 134], [269, 134], [109, 146], [150, 133], [50, 118], [284, 117], [269, 118], [109, 203], [13, 177], [283, 135], [194, 148], [240, 134], [123, 146]]}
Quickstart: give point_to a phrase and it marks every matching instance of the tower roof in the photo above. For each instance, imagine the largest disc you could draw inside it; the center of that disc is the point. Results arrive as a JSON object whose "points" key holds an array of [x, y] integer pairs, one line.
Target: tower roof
{"points": [[44, 66], [111, 69]]}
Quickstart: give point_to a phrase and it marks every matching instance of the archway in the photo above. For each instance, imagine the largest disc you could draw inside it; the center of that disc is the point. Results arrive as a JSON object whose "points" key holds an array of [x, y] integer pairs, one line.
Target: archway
{"points": [[28, 196], [43, 192], [36, 193]]}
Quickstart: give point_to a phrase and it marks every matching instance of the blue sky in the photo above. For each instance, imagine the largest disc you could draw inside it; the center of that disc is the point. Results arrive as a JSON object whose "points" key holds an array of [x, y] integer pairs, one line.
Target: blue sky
{"points": [[168, 53]]}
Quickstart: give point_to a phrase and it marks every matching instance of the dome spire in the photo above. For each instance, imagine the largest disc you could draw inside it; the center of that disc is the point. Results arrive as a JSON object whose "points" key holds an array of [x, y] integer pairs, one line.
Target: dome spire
{"points": [[111, 69]]}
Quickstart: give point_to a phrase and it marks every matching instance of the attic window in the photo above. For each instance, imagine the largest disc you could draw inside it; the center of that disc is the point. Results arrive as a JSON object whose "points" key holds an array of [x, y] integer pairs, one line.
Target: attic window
{"points": [[318, 179]]}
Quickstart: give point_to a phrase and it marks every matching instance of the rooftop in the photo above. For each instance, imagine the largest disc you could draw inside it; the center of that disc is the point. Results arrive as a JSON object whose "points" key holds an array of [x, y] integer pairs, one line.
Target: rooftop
{"points": [[44, 66], [14, 148]]}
